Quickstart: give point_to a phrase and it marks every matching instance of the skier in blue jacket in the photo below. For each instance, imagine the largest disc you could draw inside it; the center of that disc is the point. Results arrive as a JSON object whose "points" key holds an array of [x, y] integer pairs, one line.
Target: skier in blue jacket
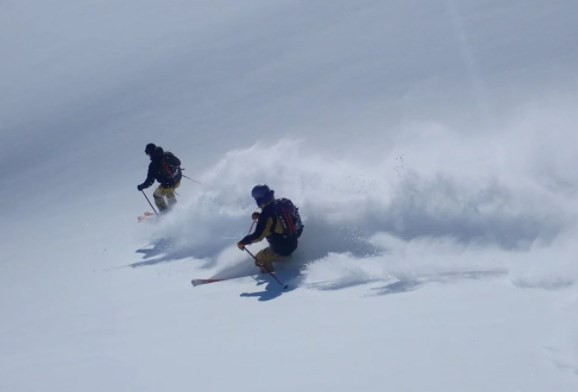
{"points": [[270, 227]]}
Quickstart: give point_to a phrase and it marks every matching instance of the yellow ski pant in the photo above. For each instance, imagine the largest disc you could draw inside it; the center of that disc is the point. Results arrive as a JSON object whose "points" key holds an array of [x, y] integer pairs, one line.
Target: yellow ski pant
{"points": [[163, 192]]}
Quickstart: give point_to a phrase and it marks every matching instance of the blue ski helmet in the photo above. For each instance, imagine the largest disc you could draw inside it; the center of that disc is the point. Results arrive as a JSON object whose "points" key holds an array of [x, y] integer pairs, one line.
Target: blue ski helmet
{"points": [[262, 194]]}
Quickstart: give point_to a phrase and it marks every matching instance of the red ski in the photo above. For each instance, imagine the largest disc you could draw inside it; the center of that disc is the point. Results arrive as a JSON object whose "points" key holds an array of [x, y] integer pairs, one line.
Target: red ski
{"points": [[145, 216], [197, 282], [238, 274]]}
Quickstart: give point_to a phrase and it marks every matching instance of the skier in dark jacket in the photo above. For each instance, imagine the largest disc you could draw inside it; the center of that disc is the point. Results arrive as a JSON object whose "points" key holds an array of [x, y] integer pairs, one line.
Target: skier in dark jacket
{"points": [[164, 168], [271, 228]]}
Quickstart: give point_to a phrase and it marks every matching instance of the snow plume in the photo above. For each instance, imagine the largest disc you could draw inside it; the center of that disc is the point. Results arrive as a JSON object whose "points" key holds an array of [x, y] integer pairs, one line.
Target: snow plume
{"points": [[410, 214], [552, 266], [402, 266], [218, 213], [563, 345]]}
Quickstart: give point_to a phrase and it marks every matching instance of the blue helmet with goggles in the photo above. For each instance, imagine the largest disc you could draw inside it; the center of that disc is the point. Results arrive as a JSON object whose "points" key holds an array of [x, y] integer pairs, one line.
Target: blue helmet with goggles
{"points": [[262, 194]]}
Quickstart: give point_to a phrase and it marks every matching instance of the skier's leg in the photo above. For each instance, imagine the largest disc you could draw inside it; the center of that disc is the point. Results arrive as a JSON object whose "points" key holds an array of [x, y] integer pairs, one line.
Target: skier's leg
{"points": [[159, 198], [265, 259], [170, 195]]}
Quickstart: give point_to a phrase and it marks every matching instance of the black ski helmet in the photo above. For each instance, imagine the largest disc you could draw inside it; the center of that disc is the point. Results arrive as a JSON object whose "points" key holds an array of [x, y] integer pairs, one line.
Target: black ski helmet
{"points": [[262, 194], [150, 148]]}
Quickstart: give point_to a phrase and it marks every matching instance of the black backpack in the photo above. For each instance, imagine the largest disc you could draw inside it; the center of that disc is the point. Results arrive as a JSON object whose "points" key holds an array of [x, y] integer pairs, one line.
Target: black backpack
{"points": [[171, 165], [288, 215]]}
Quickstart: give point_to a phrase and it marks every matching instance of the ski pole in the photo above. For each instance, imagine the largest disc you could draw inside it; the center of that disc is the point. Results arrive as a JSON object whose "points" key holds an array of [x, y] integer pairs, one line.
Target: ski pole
{"points": [[192, 179], [251, 228], [267, 269], [254, 217], [150, 204]]}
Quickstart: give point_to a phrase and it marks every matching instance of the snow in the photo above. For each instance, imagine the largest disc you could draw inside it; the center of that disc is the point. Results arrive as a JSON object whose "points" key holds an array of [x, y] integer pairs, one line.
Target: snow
{"points": [[430, 146]]}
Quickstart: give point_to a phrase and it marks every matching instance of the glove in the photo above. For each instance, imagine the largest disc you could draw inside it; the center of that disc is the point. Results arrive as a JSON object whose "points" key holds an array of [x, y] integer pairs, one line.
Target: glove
{"points": [[240, 245], [140, 187], [255, 216]]}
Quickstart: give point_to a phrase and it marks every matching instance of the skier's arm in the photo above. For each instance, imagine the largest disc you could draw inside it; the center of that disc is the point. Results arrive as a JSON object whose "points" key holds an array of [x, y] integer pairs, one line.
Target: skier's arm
{"points": [[149, 180], [264, 228]]}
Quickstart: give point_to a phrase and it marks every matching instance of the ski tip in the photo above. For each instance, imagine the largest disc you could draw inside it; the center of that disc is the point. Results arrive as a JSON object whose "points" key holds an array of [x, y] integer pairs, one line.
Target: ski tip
{"points": [[147, 216], [197, 282]]}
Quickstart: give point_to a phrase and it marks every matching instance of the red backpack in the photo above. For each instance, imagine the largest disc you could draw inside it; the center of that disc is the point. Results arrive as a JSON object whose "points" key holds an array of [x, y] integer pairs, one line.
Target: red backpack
{"points": [[288, 215], [171, 165]]}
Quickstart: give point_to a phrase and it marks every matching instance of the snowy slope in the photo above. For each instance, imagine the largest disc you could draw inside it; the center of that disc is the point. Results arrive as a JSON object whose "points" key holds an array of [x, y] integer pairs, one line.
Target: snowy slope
{"points": [[430, 146]]}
